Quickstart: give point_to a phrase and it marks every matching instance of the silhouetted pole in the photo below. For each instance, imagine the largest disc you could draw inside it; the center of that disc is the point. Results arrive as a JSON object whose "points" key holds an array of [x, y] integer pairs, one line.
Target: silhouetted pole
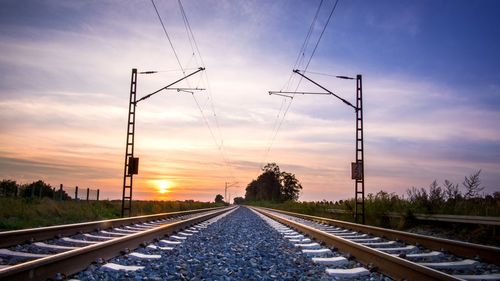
{"points": [[225, 189], [358, 173], [131, 166], [357, 168]]}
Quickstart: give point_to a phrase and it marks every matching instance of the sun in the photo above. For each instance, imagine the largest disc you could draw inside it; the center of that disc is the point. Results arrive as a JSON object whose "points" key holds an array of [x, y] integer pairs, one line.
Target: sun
{"points": [[163, 185]]}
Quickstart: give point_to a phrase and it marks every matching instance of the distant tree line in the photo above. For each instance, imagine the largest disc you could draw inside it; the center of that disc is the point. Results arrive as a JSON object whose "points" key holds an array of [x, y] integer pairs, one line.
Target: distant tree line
{"points": [[10, 188], [273, 185]]}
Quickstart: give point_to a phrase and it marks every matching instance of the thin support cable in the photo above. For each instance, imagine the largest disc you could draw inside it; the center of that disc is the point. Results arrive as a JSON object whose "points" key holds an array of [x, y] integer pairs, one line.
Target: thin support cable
{"points": [[291, 78], [209, 88], [303, 48], [268, 143], [299, 61], [321, 35], [168, 37]]}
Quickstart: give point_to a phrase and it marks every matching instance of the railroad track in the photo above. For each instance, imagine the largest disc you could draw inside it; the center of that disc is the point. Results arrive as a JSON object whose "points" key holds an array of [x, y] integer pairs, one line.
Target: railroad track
{"points": [[400, 255], [182, 246], [59, 251]]}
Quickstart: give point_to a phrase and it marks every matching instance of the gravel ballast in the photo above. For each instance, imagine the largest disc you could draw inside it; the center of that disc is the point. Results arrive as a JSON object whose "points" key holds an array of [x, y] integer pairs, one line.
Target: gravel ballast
{"points": [[239, 246]]}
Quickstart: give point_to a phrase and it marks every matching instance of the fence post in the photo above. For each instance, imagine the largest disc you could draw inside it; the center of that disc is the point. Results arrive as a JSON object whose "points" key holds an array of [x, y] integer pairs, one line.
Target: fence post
{"points": [[88, 191], [61, 192], [97, 194], [76, 192]]}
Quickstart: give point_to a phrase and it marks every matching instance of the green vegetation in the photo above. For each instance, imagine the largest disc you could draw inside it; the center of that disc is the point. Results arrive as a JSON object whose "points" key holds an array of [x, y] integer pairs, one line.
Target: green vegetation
{"points": [[219, 198], [239, 200], [273, 185], [447, 199], [18, 213], [391, 210], [40, 189]]}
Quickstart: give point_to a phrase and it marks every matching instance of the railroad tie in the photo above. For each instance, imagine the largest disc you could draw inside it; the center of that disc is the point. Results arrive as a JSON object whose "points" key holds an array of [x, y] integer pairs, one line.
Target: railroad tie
{"points": [[78, 241], [154, 247], [361, 240], [463, 264], [7, 252], [482, 277], [178, 237], [313, 245], [409, 248], [317, 252], [52, 246], [348, 273], [168, 242], [294, 236], [117, 267], [429, 255], [300, 240], [379, 244], [98, 236], [113, 233], [144, 256], [336, 261]]}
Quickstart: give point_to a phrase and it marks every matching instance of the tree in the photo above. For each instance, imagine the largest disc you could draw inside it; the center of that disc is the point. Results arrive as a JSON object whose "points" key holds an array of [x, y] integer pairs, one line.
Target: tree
{"points": [[436, 194], [272, 167], [8, 188], [273, 185], [472, 185], [290, 188], [451, 190], [38, 189], [239, 200], [219, 198]]}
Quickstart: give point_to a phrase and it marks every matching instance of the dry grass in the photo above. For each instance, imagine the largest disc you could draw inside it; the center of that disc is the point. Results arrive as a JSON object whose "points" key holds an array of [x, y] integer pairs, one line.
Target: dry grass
{"points": [[19, 213]]}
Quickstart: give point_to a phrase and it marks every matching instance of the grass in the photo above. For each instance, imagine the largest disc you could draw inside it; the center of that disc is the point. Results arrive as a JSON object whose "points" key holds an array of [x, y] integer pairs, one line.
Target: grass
{"points": [[19, 213]]}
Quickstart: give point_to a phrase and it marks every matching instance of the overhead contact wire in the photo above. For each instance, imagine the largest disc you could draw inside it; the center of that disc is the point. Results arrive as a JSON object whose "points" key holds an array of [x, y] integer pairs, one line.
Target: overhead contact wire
{"points": [[195, 48]]}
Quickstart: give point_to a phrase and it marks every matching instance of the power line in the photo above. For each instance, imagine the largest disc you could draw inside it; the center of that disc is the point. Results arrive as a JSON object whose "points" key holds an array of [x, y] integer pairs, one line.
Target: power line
{"points": [[298, 62], [289, 82], [194, 45], [168, 37], [304, 45], [321, 35], [195, 49]]}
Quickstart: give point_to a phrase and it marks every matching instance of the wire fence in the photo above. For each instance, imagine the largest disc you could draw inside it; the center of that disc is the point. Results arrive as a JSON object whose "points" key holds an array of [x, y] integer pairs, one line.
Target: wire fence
{"points": [[41, 190]]}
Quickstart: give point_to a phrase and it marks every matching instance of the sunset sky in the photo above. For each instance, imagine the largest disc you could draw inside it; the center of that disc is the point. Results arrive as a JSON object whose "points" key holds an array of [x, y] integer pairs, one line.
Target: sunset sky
{"points": [[431, 81]]}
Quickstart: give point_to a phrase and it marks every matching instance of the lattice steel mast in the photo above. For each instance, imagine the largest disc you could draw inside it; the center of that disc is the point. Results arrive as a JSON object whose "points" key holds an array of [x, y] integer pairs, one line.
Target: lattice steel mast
{"points": [[131, 166], [357, 168]]}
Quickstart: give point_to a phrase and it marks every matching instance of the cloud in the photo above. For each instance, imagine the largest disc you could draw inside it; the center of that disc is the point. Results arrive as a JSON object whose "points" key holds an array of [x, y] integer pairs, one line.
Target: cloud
{"points": [[65, 88]]}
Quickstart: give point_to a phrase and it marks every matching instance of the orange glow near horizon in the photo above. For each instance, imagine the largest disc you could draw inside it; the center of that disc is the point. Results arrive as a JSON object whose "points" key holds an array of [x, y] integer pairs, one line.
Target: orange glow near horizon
{"points": [[163, 186]]}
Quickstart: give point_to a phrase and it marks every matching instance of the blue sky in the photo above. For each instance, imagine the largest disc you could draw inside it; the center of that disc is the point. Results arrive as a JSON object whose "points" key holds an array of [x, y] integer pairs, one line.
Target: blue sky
{"points": [[431, 73]]}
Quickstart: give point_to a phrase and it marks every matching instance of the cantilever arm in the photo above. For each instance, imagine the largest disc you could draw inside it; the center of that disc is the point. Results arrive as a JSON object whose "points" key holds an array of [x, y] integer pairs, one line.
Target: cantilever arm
{"points": [[279, 94], [166, 87], [328, 91]]}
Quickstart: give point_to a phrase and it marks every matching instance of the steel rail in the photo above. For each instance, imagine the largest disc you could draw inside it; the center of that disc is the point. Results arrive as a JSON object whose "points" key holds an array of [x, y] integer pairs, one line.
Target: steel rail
{"points": [[485, 253], [73, 261], [15, 237], [393, 266], [494, 221], [460, 219]]}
